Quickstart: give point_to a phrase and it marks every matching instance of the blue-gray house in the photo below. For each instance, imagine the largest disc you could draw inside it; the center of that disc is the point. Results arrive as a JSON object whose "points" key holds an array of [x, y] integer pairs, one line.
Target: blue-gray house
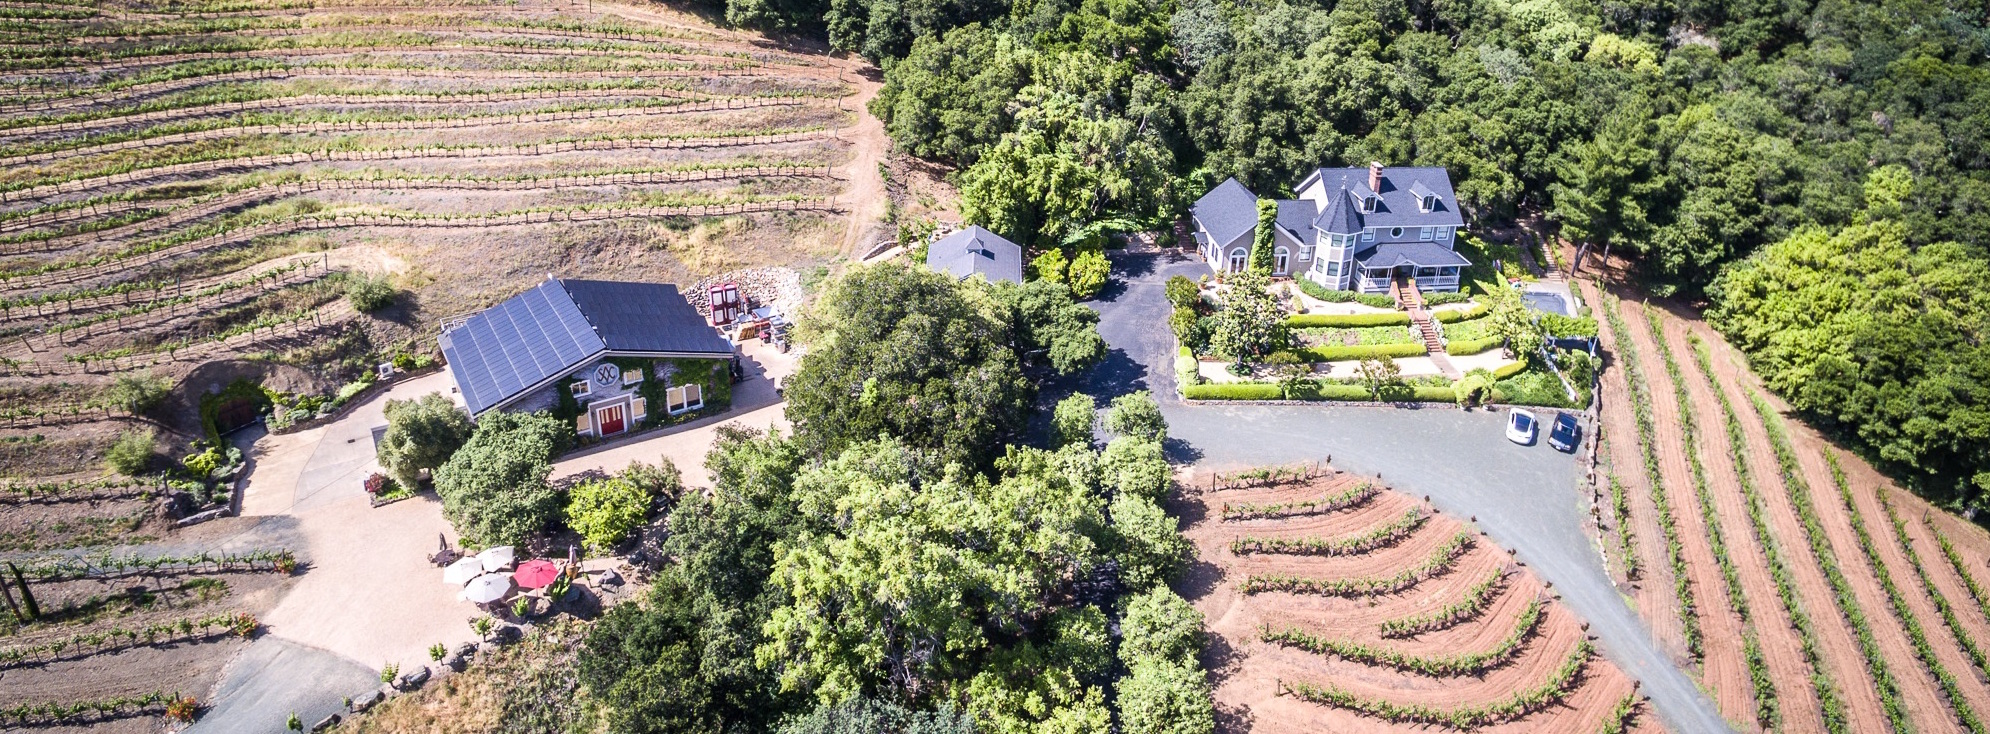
{"points": [[976, 251], [1350, 229], [625, 353]]}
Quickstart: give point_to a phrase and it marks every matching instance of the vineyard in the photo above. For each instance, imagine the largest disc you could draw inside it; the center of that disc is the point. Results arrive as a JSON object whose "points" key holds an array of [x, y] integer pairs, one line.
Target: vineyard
{"points": [[1343, 606], [201, 198], [1800, 588]]}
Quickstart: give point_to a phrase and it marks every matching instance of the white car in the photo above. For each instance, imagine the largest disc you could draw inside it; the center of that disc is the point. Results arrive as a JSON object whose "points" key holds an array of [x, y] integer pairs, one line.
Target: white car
{"points": [[1520, 426]]}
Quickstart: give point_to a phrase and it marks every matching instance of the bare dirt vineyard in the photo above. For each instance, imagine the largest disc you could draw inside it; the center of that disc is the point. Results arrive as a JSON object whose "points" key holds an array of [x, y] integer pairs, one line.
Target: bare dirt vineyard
{"points": [[1832, 606], [189, 191], [1339, 605]]}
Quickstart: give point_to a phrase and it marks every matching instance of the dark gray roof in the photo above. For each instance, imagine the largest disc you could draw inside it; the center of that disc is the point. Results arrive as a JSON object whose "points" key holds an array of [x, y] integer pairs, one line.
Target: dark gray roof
{"points": [[516, 346], [1343, 214], [1420, 254], [1295, 216], [1227, 211], [976, 250], [1398, 207]]}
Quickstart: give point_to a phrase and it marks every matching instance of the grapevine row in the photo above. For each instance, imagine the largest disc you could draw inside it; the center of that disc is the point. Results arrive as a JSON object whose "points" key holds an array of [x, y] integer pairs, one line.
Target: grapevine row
{"points": [[1768, 713], [1910, 621], [1831, 707], [1827, 561], [1342, 500], [1641, 410], [1961, 568], [1477, 598], [1470, 663], [102, 709], [1521, 703], [85, 644], [1381, 536], [1439, 560]]}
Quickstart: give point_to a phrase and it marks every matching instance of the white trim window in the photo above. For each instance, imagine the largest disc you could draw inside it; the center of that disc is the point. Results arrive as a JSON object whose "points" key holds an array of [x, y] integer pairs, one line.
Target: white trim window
{"points": [[638, 409], [631, 377], [580, 389], [1425, 233], [685, 398], [1239, 259], [1281, 259], [1367, 235]]}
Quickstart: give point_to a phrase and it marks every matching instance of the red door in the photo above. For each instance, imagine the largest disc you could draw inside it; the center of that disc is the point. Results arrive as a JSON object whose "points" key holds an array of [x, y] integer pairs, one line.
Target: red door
{"points": [[610, 420]]}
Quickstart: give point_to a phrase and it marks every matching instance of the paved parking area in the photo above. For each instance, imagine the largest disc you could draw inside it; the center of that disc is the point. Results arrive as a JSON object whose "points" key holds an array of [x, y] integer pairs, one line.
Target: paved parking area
{"points": [[1524, 497]]}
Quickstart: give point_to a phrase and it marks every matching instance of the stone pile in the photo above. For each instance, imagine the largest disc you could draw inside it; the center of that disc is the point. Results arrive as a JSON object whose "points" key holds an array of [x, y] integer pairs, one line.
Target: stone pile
{"points": [[771, 286]]}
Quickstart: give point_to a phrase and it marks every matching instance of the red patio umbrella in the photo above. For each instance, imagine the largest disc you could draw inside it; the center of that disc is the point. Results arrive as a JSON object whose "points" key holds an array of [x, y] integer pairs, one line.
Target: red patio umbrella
{"points": [[535, 573]]}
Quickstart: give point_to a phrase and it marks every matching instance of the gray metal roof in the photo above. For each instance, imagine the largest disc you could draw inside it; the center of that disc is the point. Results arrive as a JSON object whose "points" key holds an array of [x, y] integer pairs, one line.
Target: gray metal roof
{"points": [[1398, 207], [1343, 214], [1295, 216], [1227, 211], [516, 346], [1420, 254], [975, 250]]}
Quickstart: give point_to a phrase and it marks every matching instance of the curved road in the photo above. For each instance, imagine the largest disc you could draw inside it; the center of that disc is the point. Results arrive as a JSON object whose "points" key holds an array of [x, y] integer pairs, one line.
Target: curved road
{"points": [[1525, 498]]}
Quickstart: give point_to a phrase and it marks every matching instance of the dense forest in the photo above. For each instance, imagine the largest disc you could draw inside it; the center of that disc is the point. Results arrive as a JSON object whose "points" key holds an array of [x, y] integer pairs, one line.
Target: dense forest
{"points": [[1689, 134]]}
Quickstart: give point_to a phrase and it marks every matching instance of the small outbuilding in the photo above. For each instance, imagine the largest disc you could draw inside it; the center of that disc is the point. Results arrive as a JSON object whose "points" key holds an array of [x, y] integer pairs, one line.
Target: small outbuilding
{"points": [[976, 251], [613, 356]]}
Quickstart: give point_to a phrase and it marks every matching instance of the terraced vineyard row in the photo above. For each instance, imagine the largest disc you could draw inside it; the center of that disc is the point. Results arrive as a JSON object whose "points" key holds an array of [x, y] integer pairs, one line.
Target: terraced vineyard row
{"points": [[1355, 608], [292, 193]]}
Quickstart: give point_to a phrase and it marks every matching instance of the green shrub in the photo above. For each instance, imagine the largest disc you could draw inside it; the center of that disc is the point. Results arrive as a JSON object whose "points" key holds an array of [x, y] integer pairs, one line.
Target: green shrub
{"points": [[1233, 391], [421, 434], [1182, 292], [1166, 698], [1368, 351], [1313, 320], [1316, 390], [1431, 393], [1461, 314], [137, 394], [1445, 297], [1147, 542], [1136, 467], [1462, 347], [605, 511], [1188, 371], [1323, 293], [1508, 370], [1071, 423], [131, 452], [1136, 414], [1559, 325], [1050, 265], [1088, 273], [494, 489], [1160, 626], [1540, 388], [369, 293]]}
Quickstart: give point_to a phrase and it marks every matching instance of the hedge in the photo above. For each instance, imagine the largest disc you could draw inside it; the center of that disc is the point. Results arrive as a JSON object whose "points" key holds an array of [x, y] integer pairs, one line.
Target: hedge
{"points": [[1361, 351], [1324, 293], [1464, 347], [1315, 320], [1311, 390], [1509, 370], [1460, 314], [1233, 391]]}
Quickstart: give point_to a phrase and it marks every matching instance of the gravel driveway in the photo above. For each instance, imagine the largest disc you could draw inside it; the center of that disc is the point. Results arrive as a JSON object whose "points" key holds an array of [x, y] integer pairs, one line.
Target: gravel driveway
{"points": [[1525, 498]]}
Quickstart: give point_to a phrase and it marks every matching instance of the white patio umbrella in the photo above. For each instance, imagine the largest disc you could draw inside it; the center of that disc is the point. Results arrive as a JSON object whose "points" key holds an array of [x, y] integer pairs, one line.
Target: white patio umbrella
{"points": [[464, 569], [496, 558], [487, 588]]}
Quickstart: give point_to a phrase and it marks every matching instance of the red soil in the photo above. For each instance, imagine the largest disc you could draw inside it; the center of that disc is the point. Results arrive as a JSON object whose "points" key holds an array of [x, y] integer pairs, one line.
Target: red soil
{"points": [[1843, 659], [1723, 671], [1651, 592], [1248, 672], [1781, 648]]}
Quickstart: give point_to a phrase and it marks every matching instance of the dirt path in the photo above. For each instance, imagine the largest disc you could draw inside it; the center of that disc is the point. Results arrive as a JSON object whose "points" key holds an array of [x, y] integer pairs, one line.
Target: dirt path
{"points": [[1723, 669], [865, 195], [1782, 651], [1844, 660], [1651, 592]]}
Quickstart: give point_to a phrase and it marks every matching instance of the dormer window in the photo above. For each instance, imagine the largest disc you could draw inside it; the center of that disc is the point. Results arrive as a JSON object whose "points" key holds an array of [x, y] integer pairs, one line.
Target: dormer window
{"points": [[1429, 203], [1368, 203]]}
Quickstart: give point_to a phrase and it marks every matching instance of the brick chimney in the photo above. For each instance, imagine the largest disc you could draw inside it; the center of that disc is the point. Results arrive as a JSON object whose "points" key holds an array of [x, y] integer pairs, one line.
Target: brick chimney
{"points": [[1375, 177]]}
